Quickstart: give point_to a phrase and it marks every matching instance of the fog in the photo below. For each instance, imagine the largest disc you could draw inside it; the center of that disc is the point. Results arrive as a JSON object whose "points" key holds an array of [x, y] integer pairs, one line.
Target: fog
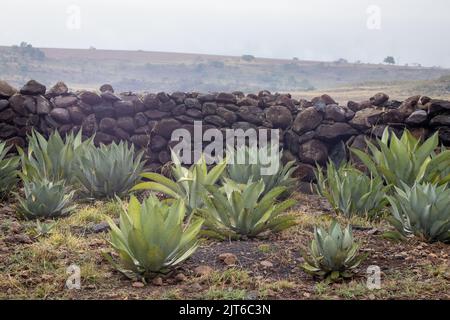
{"points": [[413, 31]]}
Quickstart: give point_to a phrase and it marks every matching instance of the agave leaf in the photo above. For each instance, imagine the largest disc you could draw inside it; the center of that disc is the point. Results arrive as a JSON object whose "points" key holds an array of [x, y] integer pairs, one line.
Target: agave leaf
{"points": [[154, 186], [161, 179]]}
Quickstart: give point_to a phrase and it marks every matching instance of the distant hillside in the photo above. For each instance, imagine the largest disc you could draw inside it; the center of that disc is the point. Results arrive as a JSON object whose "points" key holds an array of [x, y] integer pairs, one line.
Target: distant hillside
{"points": [[397, 90], [156, 71]]}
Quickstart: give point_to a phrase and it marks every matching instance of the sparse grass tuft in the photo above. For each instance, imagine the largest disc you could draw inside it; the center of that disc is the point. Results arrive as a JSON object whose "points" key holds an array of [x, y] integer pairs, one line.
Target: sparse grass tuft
{"points": [[223, 294]]}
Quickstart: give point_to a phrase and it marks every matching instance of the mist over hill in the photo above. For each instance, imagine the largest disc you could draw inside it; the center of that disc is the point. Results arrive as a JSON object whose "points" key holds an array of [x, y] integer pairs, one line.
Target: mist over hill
{"points": [[162, 71]]}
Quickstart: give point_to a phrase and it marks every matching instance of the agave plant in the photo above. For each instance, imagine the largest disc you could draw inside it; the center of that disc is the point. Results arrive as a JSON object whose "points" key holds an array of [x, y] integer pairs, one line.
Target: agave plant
{"points": [[43, 229], [189, 184], [333, 253], [236, 210], [109, 170], [407, 160], [422, 210], [248, 166], [151, 237], [53, 159], [350, 191], [45, 199], [8, 170]]}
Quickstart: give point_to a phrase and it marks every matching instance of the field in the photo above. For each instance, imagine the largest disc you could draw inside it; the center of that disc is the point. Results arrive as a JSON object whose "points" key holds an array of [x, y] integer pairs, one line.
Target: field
{"points": [[160, 71], [437, 89], [34, 261], [267, 268]]}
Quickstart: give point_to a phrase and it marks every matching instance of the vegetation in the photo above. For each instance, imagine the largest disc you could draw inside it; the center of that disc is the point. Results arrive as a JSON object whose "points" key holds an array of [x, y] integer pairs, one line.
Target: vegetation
{"points": [[43, 229], [406, 160], [350, 192], [26, 50], [333, 253], [422, 210], [53, 159], [389, 60], [235, 210], [248, 166], [151, 237], [231, 202], [109, 170], [128, 72], [44, 199], [248, 57], [8, 170], [189, 184]]}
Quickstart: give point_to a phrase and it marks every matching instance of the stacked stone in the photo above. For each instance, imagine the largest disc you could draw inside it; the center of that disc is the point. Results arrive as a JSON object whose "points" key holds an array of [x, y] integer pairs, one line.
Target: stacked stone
{"points": [[311, 131], [324, 130]]}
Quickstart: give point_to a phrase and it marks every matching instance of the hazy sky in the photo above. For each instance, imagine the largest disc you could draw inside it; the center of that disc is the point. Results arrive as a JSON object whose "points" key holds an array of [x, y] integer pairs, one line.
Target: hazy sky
{"points": [[414, 31]]}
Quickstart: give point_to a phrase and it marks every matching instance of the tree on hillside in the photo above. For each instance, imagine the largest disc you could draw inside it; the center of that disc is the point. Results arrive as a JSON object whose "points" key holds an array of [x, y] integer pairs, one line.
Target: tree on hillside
{"points": [[248, 57], [341, 61], [389, 60], [26, 50]]}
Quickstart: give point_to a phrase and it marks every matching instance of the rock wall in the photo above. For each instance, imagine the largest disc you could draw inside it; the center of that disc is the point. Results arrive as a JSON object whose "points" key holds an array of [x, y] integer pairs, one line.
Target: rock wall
{"points": [[311, 131]]}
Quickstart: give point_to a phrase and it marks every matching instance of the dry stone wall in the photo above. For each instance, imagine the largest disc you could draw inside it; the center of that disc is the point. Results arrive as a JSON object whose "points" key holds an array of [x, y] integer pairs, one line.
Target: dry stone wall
{"points": [[311, 131]]}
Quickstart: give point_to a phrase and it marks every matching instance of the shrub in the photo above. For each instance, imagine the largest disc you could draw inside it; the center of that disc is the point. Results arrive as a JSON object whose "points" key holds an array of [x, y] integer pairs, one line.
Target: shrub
{"points": [[407, 160], [422, 210], [247, 57], [333, 253], [350, 192], [236, 210], [151, 237], [109, 170]]}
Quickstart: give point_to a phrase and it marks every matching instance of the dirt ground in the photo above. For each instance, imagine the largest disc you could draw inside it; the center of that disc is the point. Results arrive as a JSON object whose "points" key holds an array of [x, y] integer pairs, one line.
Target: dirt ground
{"points": [[267, 268]]}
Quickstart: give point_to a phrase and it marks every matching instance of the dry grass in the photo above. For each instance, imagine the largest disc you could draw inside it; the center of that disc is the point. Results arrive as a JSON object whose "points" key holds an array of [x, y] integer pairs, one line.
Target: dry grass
{"points": [[396, 91]]}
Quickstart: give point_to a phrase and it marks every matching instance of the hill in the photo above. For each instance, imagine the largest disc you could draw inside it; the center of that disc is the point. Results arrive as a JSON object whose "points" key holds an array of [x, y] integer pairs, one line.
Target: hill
{"points": [[157, 71]]}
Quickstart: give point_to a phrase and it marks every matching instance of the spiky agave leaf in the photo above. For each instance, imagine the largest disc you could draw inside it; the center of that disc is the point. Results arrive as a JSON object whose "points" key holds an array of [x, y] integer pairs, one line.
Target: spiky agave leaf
{"points": [[151, 237]]}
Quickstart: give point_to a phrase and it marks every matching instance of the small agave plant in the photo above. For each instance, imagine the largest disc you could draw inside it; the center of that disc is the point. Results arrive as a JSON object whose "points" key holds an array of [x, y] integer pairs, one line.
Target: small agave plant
{"points": [[189, 184], [422, 210], [109, 170], [351, 192], [43, 229], [45, 199], [333, 253], [248, 166], [55, 158], [236, 210], [152, 237], [407, 160]]}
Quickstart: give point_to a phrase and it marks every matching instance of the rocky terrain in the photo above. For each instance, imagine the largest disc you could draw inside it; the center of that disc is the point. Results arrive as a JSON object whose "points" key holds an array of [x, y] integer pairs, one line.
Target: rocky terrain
{"points": [[312, 131]]}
